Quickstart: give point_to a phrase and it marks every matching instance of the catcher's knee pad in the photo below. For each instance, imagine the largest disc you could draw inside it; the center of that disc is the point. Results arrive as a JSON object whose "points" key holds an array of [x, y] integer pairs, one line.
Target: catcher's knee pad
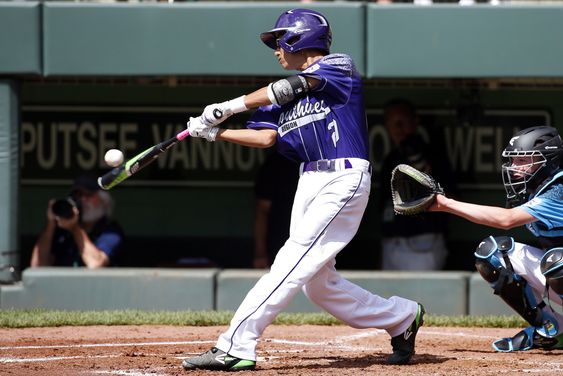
{"points": [[551, 266], [487, 256], [511, 287]]}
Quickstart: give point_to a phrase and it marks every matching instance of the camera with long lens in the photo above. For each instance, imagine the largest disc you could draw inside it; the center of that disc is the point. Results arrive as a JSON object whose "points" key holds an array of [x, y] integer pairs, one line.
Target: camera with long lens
{"points": [[63, 207]]}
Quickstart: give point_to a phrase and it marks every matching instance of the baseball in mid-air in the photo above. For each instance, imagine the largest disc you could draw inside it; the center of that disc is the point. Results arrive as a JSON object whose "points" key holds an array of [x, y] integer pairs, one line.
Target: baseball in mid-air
{"points": [[114, 157]]}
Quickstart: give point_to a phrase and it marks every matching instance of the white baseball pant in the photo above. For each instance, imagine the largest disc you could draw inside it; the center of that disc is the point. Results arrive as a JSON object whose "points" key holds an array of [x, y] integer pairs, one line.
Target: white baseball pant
{"points": [[326, 214]]}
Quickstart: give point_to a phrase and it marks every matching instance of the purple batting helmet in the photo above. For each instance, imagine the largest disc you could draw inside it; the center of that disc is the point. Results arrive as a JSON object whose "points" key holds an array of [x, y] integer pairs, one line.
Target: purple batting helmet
{"points": [[298, 29]]}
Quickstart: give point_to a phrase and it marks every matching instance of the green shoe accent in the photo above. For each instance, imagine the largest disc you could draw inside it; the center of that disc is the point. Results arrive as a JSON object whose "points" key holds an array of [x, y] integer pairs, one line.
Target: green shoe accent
{"points": [[243, 364], [419, 315], [559, 344], [218, 360], [403, 344]]}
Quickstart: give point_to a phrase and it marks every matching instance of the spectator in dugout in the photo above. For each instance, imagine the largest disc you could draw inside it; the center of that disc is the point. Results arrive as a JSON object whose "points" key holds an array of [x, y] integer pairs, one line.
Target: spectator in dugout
{"points": [[79, 231], [411, 242]]}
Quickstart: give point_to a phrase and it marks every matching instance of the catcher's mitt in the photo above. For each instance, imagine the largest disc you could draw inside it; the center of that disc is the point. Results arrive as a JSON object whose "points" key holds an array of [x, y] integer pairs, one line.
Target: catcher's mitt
{"points": [[412, 191]]}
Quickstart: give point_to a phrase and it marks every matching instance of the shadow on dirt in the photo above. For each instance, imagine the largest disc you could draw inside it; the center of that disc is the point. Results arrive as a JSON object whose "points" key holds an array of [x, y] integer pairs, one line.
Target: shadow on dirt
{"points": [[363, 362], [554, 352]]}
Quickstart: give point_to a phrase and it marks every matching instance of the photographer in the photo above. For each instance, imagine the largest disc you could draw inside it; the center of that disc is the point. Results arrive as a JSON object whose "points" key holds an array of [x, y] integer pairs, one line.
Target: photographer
{"points": [[79, 231]]}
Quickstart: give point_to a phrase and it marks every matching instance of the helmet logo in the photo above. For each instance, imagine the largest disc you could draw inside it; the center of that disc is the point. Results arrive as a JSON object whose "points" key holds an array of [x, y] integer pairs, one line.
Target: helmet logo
{"points": [[511, 142], [323, 21]]}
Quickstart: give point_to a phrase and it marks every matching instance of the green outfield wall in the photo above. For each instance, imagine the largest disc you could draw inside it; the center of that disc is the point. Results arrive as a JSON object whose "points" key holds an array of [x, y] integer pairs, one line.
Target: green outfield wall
{"points": [[454, 41], [123, 288], [9, 181], [221, 38], [20, 38], [183, 39], [443, 293]]}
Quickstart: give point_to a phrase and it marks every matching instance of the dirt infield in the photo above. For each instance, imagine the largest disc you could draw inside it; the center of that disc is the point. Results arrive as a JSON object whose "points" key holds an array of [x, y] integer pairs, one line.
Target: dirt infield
{"points": [[284, 350]]}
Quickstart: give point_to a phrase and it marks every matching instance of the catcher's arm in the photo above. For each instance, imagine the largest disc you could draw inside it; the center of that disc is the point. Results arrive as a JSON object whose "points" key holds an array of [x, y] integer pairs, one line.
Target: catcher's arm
{"points": [[492, 216]]}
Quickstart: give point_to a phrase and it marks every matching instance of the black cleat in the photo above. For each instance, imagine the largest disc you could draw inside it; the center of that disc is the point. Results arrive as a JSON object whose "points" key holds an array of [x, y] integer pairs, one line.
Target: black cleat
{"points": [[403, 344], [218, 360]]}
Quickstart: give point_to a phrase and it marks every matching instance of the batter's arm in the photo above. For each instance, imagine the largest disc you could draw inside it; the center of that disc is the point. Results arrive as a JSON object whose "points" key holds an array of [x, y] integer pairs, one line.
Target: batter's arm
{"points": [[257, 98], [257, 138], [492, 216], [278, 92], [262, 138], [260, 97]]}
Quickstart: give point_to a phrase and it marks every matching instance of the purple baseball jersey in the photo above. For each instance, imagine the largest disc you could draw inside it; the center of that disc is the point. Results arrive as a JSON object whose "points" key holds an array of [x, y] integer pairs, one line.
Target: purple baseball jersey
{"points": [[328, 122]]}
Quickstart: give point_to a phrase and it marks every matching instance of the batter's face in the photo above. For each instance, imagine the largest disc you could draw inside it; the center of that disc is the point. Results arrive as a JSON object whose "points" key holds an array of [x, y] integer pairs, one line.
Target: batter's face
{"points": [[289, 60]]}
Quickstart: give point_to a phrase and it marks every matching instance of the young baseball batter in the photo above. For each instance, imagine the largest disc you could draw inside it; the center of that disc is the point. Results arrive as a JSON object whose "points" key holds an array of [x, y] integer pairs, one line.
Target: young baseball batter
{"points": [[529, 279], [317, 118]]}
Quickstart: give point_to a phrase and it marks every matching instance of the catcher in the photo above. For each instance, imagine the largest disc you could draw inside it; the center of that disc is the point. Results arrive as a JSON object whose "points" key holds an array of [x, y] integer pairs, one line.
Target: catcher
{"points": [[527, 278]]}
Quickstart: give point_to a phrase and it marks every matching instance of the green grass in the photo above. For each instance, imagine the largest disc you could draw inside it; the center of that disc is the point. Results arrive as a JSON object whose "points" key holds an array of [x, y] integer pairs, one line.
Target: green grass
{"points": [[46, 318]]}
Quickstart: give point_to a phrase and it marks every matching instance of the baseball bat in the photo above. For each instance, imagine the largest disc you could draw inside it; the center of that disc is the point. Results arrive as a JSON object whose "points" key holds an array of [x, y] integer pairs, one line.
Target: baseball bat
{"points": [[141, 160], [138, 162]]}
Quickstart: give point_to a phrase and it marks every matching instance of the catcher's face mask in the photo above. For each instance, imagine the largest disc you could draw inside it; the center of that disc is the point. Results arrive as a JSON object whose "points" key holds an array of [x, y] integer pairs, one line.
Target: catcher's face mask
{"points": [[519, 170]]}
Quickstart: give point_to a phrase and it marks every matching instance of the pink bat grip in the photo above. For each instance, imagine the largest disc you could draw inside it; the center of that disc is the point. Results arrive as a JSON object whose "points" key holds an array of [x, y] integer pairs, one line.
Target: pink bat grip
{"points": [[180, 136]]}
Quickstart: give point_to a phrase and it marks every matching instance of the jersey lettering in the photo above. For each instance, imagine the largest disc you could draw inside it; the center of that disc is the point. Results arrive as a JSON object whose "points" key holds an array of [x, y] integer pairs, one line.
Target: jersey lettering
{"points": [[335, 136], [301, 110], [297, 123]]}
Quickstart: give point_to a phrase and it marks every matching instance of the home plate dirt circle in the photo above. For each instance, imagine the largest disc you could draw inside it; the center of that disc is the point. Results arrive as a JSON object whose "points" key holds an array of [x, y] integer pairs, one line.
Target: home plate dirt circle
{"points": [[283, 350]]}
